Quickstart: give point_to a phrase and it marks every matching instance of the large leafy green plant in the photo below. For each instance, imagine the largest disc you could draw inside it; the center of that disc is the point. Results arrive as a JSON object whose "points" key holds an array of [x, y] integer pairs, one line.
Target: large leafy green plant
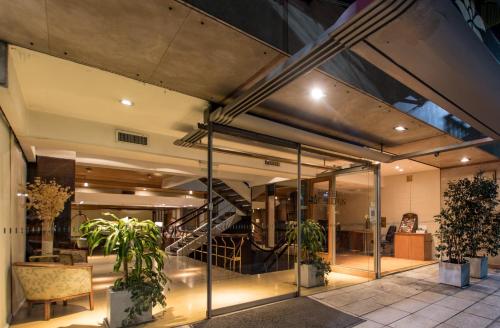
{"points": [[312, 239], [137, 248], [480, 200], [467, 222]]}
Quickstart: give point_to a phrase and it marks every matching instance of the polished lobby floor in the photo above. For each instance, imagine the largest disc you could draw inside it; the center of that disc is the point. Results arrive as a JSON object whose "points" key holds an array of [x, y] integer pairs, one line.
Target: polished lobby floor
{"points": [[388, 264], [186, 297]]}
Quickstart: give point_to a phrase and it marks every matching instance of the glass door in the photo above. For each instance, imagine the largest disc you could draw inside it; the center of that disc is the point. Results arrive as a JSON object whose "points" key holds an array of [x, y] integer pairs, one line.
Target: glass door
{"points": [[355, 222]]}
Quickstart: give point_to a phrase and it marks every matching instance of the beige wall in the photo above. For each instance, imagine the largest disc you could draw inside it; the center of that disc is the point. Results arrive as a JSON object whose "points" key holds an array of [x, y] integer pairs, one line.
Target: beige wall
{"points": [[12, 222], [420, 196], [469, 171]]}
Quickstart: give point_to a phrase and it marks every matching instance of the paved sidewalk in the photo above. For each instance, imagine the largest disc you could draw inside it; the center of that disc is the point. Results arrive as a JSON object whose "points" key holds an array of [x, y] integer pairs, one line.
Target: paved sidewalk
{"points": [[415, 299]]}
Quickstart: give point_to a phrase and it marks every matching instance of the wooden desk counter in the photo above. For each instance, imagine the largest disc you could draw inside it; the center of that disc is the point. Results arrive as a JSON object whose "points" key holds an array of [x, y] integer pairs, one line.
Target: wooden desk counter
{"points": [[413, 246]]}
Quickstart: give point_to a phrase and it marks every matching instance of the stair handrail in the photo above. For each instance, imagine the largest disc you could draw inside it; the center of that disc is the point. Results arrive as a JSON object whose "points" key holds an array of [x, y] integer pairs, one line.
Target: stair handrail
{"points": [[172, 227]]}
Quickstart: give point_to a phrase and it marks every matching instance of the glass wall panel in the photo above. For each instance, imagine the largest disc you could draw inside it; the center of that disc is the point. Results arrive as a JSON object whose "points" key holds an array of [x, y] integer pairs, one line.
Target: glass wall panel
{"points": [[251, 260], [355, 223]]}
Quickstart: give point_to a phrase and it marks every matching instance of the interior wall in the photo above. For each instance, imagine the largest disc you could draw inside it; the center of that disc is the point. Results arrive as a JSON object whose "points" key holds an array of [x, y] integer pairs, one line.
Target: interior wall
{"points": [[421, 196], [490, 169], [12, 222]]}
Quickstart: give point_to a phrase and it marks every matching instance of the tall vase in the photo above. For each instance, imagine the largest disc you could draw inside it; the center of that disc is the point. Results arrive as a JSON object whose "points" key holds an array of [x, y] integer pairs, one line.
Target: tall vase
{"points": [[47, 237]]}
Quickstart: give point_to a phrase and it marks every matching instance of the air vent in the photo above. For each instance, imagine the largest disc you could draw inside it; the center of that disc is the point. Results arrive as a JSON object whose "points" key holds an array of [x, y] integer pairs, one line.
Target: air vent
{"points": [[271, 162], [133, 138]]}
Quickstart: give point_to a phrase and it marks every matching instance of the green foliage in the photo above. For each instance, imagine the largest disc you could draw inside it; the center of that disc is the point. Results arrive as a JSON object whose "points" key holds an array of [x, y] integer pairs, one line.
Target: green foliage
{"points": [[137, 248], [312, 239], [468, 223]]}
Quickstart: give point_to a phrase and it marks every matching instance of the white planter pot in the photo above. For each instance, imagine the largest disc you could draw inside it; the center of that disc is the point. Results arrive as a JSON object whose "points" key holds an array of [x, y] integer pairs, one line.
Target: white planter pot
{"points": [[308, 277], [479, 267], [117, 303], [454, 274]]}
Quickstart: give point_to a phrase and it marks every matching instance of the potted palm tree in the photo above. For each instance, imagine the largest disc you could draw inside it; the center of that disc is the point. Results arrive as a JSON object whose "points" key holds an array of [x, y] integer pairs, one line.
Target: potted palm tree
{"points": [[484, 232], [454, 222], [313, 268], [139, 256]]}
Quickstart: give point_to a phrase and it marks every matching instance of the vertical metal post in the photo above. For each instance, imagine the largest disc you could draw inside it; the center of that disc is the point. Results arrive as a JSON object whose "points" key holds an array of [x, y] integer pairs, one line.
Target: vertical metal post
{"points": [[209, 218], [299, 215], [377, 252]]}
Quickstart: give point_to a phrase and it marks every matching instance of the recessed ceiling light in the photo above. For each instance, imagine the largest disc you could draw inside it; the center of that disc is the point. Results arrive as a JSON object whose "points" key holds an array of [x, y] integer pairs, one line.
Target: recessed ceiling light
{"points": [[85, 184], [397, 167], [190, 192], [126, 102], [465, 159], [400, 128], [81, 202], [144, 189], [401, 170], [317, 93]]}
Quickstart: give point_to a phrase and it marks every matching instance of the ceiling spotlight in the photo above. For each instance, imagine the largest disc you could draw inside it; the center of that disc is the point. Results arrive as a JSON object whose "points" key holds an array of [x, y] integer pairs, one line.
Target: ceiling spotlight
{"points": [[400, 128], [465, 159], [144, 189], [81, 202], [317, 94], [400, 170], [85, 184], [126, 102], [190, 192], [397, 167]]}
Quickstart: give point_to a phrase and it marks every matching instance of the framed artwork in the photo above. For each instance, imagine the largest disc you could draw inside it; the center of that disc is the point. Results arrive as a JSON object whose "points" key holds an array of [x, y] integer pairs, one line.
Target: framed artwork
{"points": [[409, 223]]}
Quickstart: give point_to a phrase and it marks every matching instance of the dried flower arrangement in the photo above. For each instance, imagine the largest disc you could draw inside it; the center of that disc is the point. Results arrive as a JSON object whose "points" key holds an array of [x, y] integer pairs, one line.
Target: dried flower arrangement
{"points": [[47, 199]]}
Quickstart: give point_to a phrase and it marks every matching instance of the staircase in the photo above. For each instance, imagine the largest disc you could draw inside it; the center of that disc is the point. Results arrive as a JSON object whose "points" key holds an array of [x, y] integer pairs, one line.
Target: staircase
{"points": [[190, 231], [198, 237], [230, 195]]}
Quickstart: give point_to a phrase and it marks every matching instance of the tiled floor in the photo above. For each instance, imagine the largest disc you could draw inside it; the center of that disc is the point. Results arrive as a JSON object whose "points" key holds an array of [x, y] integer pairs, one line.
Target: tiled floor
{"points": [[415, 299]]}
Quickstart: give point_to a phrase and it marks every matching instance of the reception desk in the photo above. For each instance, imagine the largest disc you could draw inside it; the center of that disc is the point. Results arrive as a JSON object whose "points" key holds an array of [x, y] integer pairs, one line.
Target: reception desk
{"points": [[413, 246]]}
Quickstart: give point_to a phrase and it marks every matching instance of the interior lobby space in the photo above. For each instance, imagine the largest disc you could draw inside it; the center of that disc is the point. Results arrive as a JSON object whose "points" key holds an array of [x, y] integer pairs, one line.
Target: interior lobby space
{"points": [[226, 155]]}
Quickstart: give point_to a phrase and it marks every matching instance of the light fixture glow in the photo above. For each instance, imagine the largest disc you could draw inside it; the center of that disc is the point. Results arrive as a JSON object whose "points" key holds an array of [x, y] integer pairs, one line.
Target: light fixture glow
{"points": [[144, 189], [85, 184], [397, 167], [400, 128], [126, 102], [465, 159], [400, 170], [190, 192], [317, 93], [81, 202]]}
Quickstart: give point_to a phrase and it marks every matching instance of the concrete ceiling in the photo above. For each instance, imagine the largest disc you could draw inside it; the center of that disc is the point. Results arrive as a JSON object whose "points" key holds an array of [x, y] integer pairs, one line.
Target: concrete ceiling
{"points": [[171, 46]]}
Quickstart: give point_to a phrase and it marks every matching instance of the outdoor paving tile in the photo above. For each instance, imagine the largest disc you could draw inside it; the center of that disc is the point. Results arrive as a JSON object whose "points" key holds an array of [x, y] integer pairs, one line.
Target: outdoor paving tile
{"points": [[386, 315], [469, 294], [437, 313], [483, 289], [339, 300], [409, 305], [362, 307], [429, 297], [467, 320], [490, 282], [484, 310], [414, 321], [387, 298], [445, 290], [492, 300], [369, 324], [455, 303], [445, 325], [494, 325]]}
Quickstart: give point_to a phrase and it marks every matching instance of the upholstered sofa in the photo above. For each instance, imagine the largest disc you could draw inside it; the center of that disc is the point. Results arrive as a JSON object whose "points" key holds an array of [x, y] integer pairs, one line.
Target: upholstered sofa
{"points": [[49, 282]]}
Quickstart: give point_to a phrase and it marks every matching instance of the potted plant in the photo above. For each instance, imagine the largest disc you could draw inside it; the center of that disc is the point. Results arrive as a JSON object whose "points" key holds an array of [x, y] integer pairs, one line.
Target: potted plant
{"points": [[313, 268], [454, 222], [138, 253], [47, 200], [483, 235]]}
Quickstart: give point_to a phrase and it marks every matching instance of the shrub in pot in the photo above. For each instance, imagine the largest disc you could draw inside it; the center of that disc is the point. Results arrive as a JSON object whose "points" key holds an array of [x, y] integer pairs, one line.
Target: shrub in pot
{"points": [[480, 200], [138, 254], [313, 268], [454, 223]]}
